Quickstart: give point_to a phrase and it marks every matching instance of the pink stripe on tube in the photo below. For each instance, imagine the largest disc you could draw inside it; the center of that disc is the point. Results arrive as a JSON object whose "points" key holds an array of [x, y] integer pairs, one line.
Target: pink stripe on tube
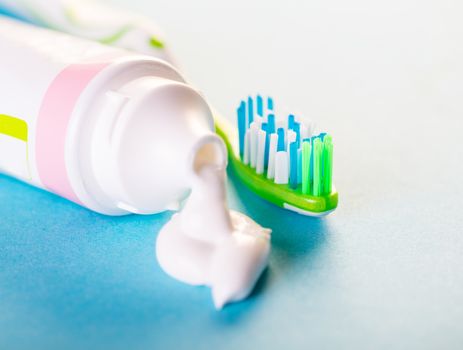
{"points": [[52, 124]]}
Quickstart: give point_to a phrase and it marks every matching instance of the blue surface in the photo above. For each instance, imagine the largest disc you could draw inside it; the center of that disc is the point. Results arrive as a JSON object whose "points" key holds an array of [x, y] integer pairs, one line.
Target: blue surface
{"points": [[70, 278]]}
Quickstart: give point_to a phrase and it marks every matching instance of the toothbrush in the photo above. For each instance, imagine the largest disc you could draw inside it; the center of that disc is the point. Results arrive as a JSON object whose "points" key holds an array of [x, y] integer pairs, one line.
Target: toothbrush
{"points": [[294, 174], [281, 159]]}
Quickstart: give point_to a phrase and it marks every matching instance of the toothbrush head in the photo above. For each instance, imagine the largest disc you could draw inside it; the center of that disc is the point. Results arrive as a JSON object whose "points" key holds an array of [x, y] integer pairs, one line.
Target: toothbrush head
{"points": [[282, 158]]}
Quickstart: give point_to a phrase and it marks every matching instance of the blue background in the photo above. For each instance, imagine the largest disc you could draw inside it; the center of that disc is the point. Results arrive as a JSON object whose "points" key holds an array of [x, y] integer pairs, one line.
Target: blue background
{"points": [[384, 271]]}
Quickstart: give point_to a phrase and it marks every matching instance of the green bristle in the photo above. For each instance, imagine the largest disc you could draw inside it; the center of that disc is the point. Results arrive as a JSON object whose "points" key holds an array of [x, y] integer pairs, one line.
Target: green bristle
{"points": [[306, 149], [317, 154], [327, 164]]}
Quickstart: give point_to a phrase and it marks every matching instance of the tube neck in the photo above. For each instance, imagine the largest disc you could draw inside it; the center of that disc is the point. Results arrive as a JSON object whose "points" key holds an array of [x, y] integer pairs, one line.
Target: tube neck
{"points": [[153, 134]]}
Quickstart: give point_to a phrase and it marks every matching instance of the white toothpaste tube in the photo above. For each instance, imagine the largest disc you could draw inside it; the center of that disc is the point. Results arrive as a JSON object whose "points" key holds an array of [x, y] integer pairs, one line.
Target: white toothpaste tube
{"points": [[92, 20], [114, 131]]}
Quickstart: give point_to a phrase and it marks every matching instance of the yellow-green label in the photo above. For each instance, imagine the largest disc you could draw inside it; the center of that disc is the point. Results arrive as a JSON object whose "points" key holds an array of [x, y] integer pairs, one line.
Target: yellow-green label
{"points": [[13, 127]]}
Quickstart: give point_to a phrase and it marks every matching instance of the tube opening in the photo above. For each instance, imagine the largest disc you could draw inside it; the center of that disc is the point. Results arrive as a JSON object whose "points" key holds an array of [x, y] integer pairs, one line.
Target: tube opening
{"points": [[209, 151]]}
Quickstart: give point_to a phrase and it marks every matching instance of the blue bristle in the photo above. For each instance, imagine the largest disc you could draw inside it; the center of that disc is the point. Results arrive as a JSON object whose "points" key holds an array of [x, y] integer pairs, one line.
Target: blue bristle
{"points": [[297, 130], [260, 105], [264, 126], [271, 122], [322, 135], [269, 132], [241, 126], [250, 111], [281, 140], [270, 103], [293, 165], [290, 122]]}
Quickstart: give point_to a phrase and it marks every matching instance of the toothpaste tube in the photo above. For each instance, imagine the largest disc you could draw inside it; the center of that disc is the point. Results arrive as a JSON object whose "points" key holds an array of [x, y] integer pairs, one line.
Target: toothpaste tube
{"points": [[114, 131], [94, 21]]}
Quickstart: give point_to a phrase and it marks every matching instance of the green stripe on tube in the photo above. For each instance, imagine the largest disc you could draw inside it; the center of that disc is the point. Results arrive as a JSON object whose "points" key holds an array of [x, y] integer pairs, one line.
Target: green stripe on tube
{"points": [[306, 149], [13, 127]]}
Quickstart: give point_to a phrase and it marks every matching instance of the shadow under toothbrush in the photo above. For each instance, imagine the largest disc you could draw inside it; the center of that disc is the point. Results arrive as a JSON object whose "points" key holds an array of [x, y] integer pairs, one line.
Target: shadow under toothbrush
{"points": [[293, 232], [294, 236]]}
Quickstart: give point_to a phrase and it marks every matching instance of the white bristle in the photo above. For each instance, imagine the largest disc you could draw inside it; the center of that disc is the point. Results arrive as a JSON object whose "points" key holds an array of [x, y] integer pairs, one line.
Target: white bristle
{"points": [[292, 136], [304, 131], [253, 138], [281, 167], [312, 128], [246, 151], [271, 156], [261, 137], [299, 166]]}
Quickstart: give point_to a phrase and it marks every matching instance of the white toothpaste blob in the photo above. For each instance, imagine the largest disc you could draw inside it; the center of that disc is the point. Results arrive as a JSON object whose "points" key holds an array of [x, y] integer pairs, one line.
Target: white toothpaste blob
{"points": [[207, 244]]}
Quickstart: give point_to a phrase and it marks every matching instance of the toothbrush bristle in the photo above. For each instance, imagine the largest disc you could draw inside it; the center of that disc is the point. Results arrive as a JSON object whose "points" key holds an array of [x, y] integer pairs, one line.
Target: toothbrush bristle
{"points": [[250, 115], [241, 126], [284, 150], [270, 103], [260, 105], [293, 165]]}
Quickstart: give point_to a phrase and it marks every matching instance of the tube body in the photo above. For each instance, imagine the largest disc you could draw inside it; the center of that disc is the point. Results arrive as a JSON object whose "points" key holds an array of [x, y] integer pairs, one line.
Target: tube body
{"points": [[92, 20], [114, 131]]}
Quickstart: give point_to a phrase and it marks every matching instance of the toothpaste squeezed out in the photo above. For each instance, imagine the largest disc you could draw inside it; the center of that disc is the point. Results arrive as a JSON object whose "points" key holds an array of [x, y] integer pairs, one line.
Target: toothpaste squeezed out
{"points": [[207, 244]]}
